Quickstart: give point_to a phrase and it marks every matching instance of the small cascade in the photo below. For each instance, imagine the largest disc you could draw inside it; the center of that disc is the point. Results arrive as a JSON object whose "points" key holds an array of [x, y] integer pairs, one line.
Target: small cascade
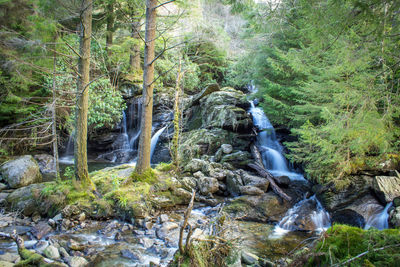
{"points": [[68, 157], [270, 148], [306, 215], [154, 140], [379, 220]]}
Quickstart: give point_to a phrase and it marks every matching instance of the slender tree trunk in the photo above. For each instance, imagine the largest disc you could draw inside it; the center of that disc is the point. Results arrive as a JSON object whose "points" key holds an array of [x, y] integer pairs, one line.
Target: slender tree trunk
{"points": [[143, 162], [110, 27], [177, 117], [82, 94], [134, 59], [53, 111]]}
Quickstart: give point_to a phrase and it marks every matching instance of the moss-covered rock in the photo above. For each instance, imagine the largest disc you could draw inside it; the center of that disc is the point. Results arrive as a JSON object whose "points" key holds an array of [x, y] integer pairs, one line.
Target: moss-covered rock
{"points": [[238, 159], [341, 243], [21, 172]]}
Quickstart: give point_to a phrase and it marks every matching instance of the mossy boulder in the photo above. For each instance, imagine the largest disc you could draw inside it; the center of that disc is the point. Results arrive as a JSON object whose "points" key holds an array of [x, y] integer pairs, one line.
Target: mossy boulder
{"points": [[27, 199], [261, 208], [225, 109], [201, 142], [21, 172], [386, 188], [238, 159]]}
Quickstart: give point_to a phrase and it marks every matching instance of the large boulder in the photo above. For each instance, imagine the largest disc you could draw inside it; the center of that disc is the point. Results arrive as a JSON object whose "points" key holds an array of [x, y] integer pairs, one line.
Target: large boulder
{"points": [[46, 165], [386, 188], [239, 159], [207, 185], [260, 208], [226, 109], [201, 142], [26, 199], [21, 172]]}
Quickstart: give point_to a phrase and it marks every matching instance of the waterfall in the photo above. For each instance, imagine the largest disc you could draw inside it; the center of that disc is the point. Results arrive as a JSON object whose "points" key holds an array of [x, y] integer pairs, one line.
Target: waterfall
{"points": [[270, 148], [379, 220], [307, 214], [68, 157], [154, 140]]}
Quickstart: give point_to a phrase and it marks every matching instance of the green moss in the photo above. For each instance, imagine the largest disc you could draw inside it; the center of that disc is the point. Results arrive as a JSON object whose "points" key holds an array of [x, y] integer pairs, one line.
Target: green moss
{"points": [[236, 206], [342, 242], [164, 167], [148, 176]]}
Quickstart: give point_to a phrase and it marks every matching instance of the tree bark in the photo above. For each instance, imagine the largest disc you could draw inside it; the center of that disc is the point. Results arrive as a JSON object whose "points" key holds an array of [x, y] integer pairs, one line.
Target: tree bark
{"points": [[110, 27], [143, 162], [82, 94], [134, 59], [53, 111], [177, 116]]}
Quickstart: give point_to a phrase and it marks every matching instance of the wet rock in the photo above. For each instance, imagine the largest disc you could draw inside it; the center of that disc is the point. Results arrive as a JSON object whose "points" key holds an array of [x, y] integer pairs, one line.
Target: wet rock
{"points": [[334, 199], [52, 223], [21, 172], [70, 211], [205, 92], [249, 258], [195, 165], [165, 229], [183, 194], [208, 185], [395, 217], [164, 218], [146, 242], [282, 180], [26, 199], [41, 245], [386, 187], [118, 236], [130, 254], [74, 245], [41, 230], [233, 183], [349, 217], [21, 230], [63, 252], [250, 190], [252, 180], [51, 252], [263, 208], [188, 183], [58, 218], [78, 262]]}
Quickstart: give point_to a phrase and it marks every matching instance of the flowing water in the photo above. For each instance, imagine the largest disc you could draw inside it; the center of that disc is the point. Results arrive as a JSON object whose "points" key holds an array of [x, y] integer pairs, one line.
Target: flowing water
{"points": [[380, 219], [154, 140], [306, 215]]}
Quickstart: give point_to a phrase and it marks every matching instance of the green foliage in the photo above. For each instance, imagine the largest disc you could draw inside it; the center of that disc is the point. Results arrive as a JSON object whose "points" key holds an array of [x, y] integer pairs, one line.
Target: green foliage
{"points": [[342, 242], [105, 105], [330, 83], [149, 176]]}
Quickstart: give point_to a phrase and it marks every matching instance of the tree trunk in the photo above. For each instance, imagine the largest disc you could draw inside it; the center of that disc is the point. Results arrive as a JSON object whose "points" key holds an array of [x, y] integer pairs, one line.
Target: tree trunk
{"points": [[110, 27], [53, 111], [134, 59], [82, 94], [143, 162]]}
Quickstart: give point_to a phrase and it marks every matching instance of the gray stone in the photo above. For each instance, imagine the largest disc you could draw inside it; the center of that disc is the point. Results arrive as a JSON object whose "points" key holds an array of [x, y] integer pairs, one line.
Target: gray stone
{"points": [[82, 217], [188, 183], [51, 252], [195, 165], [25, 199], [227, 148], [41, 230], [208, 185], [251, 180], [395, 217], [386, 187], [41, 245], [233, 183], [164, 218], [21, 172], [238, 159], [78, 262], [74, 245], [250, 190], [130, 254], [249, 258], [165, 229], [63, 252], [46, 165]]}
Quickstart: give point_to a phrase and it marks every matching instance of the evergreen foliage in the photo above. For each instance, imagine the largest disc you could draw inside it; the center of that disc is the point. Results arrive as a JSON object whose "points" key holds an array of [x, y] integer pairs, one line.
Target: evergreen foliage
{"points": [[328, 71]]}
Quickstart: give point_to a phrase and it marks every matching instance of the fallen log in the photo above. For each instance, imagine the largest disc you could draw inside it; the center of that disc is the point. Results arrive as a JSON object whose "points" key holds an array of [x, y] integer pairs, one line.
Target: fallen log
{"points": [[264, 173]]}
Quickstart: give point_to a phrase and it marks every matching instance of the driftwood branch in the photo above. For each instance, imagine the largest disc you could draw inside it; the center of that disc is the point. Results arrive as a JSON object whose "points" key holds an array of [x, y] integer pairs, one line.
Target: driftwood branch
{"points": [[187, 213], [264, 173], [256, 155]]}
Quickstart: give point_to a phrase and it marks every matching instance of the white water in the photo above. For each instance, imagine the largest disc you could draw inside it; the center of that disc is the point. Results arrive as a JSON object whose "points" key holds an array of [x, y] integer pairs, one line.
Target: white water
{"points": [[270, 149], [68, 157], [379, 220], [319, 217], [154, 140]]}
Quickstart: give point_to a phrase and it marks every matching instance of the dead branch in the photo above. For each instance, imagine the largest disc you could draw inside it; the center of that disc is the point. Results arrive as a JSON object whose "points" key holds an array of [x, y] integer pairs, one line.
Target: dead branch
{"points": [[185, 223], [266, 174]]}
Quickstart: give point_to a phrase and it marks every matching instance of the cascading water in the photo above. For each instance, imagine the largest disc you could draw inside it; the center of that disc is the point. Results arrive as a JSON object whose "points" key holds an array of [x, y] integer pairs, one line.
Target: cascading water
{"points": [[68, 157], [307, 214], [271, 150], [154, 140], [379, 220]]}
